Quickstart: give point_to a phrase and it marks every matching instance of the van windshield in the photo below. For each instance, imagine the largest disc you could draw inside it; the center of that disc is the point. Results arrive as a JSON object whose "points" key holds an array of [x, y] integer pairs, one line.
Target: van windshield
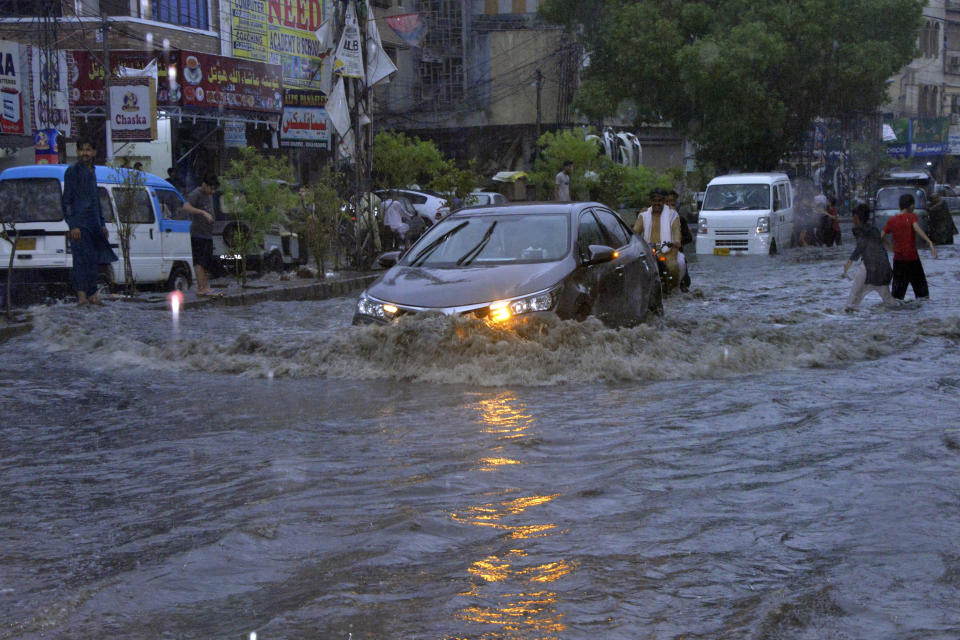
{"points": [[737, 197], [889, 198], [30, 200]]}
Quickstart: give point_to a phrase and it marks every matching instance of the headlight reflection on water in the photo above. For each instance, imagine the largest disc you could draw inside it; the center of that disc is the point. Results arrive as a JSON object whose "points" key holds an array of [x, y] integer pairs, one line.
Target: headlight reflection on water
{"points": [[507, 591]]}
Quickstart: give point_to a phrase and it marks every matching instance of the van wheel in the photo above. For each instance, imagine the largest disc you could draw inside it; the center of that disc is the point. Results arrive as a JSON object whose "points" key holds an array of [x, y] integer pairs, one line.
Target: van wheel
{"points": [[273, 261], [179, 279], [773, 248]]}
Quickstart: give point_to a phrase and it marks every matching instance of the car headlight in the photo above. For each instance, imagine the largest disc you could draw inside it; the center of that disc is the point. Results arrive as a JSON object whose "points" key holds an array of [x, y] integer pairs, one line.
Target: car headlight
{"points": [[367, 306], [505, 309], [763, 224], [702, 223]]}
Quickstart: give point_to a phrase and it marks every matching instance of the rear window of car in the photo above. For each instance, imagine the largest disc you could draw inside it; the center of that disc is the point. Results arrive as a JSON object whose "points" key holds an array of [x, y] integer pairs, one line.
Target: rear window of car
{"points": [[31, 200]]}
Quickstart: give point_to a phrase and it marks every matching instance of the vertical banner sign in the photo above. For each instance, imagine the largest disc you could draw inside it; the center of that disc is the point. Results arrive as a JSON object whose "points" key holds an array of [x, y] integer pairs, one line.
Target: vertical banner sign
{"points": [[133, 107], [45, 146], [11, 88], [348, 61], [50, 90], [280, 32]]}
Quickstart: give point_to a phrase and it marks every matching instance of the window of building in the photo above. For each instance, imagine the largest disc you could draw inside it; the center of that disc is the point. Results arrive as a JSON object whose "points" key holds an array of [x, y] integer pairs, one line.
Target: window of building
{"points": [[26, 9], [185, 13]]}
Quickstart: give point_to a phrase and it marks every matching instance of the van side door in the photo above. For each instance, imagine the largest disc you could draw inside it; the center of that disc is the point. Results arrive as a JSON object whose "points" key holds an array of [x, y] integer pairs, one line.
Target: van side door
{"points": [[135, 206], [174, 225]]}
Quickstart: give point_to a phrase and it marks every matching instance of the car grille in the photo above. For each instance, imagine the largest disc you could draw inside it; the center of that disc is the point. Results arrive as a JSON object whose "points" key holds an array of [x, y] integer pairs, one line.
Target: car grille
{"points": [[733, 244], [731, 232]]}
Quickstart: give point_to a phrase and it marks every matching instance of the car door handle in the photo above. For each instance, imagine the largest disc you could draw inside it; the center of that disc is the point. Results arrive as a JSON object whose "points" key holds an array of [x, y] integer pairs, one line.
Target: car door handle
{"points": [[151, 233]]}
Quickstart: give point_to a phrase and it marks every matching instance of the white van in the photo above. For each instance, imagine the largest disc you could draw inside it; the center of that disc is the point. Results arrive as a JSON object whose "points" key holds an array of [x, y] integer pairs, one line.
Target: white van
{"points": [[160, 251], [749, 213]]}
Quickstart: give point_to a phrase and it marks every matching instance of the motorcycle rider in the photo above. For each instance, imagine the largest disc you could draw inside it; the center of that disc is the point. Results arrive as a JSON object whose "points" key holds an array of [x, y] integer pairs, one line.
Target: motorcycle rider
{"points": [[658, 224]]}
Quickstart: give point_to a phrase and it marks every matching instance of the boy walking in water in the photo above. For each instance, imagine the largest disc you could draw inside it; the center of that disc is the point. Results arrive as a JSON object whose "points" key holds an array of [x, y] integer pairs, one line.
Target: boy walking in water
{"points": [[907, 268]]}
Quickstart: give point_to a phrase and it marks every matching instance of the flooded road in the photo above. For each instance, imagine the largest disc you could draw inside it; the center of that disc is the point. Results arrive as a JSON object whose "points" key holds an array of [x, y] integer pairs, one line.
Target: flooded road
{"points": [[761, 465]]}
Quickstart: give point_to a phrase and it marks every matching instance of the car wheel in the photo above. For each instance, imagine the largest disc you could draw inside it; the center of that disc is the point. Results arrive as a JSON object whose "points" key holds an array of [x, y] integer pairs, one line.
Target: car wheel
{"points": [[655, 305], [273, 261], [773, 248], [179, 279]]}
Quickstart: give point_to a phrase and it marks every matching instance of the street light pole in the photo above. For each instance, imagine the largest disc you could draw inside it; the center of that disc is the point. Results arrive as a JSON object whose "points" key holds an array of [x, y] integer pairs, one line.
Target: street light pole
{"points": [[108, 129]]}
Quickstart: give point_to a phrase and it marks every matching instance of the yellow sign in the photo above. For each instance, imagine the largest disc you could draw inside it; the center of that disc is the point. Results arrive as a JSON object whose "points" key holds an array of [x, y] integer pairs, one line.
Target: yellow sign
{"points": [[281, 32]]}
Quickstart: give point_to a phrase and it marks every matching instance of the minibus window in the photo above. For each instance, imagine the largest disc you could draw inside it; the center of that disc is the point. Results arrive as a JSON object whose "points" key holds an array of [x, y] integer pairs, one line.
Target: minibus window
{"points": [[105, 205], [31, 200], [141, 211], [733, 197]]}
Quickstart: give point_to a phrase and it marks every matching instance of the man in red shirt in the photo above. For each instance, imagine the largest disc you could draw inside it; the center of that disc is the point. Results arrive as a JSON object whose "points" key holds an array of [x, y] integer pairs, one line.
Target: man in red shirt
{"points": [[907, 268]]}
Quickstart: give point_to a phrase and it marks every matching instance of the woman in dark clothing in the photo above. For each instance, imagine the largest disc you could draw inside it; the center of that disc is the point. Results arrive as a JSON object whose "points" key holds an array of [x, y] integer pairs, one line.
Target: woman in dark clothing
{"points": [[941, 222]]}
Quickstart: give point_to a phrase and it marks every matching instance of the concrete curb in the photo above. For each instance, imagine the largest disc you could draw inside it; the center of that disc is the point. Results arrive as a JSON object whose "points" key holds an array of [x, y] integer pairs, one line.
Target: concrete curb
{"points": [[13, 330], [312, 291]]}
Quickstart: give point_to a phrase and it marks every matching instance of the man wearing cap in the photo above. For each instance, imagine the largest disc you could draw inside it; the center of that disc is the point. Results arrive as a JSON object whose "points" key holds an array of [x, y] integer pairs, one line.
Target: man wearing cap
{"points": [[658, 224]]}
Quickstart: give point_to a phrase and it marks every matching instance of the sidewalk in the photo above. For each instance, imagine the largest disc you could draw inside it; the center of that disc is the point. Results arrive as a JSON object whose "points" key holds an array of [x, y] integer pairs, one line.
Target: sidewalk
{"points": [[232, 294]]}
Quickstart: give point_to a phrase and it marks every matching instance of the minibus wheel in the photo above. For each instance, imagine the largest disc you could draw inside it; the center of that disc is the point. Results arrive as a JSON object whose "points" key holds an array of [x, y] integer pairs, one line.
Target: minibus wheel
{"points": [[179, 279], [773, 248]]}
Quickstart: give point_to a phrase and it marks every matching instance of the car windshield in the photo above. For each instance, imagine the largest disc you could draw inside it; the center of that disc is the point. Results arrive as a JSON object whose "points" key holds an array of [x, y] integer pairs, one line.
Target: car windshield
{"points": [[30, 200], [492, 240], [736, 197], [890, 198]]}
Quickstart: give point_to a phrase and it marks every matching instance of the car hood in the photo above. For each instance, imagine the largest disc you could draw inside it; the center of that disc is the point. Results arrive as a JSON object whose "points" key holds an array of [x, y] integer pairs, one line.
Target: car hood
{"points": [[437, 288]]}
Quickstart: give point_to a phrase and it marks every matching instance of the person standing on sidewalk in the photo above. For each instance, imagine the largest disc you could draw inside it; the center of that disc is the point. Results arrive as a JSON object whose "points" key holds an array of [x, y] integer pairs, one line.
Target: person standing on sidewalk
{"points": [[562, 190], [907, 268], [89, 238], [199, 205]]}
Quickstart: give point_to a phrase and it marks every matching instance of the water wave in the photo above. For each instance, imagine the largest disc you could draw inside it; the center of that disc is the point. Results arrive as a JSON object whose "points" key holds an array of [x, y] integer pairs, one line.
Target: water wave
{"points": [[469, 351]]}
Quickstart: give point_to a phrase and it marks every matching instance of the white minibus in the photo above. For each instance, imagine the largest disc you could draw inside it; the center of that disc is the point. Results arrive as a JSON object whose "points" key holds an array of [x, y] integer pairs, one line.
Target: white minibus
{"points": [[747, 213]]}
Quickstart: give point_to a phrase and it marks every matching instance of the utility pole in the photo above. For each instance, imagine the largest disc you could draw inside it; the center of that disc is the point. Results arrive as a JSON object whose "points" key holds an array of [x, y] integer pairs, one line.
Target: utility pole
{"points": [[108, 128], [539, 76]]}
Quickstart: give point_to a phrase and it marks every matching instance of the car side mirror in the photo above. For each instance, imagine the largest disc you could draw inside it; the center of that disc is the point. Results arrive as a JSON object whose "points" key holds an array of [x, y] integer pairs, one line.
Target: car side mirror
{"points": [[599, 253], [872, 203], [388, 259]]}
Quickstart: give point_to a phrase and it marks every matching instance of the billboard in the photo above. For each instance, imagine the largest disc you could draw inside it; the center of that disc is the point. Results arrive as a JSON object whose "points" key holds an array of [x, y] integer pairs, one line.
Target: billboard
{"points": [[280, 32], [12, 84]]}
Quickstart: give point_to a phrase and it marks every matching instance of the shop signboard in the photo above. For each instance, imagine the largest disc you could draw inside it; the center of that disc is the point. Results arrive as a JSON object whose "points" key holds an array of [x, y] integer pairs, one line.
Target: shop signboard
{"points": [[50, 105], [133, 109], [954, 144], [280, 32], [304, 122], [11, 88], [216, 81], [234, 134], [899, 146], [86, 76], [930, 136]]}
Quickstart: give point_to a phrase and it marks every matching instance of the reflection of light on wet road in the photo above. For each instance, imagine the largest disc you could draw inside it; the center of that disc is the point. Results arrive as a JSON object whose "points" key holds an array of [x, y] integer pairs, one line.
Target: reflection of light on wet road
{"points": [[506, 594], [176, 300]]}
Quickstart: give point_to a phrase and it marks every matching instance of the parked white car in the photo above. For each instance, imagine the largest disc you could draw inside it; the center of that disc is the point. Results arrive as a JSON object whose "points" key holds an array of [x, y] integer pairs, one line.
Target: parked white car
{"points": [[431, 206], [484, 198]]}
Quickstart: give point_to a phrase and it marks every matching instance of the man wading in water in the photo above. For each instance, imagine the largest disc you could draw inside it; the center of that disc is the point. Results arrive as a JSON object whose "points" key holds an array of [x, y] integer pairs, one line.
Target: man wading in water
{"points": [[89, 239]]}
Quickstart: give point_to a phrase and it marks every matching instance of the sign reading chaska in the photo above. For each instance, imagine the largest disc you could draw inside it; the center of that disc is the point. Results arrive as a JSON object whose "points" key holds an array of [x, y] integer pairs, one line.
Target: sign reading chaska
{"points": [[216, 81], [133, 109]]}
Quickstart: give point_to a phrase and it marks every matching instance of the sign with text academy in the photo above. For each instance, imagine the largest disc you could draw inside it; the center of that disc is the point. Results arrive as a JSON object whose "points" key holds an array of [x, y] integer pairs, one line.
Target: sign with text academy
{"points": [[280, 32], [216, 81]]}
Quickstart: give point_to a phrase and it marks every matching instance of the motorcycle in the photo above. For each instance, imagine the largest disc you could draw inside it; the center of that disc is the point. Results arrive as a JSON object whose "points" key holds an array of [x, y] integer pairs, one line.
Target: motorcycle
{"points": [[667, 281]]}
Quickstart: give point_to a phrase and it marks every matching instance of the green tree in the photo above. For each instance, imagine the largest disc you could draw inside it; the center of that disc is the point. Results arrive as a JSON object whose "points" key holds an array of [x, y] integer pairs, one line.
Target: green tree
{"points": [[743, 79], [128, 195], [257, 195], [318, 217], [555, 149], [400, 161]]}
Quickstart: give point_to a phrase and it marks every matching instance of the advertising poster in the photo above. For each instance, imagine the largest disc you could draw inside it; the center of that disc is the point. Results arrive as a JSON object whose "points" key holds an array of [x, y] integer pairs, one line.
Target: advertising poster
{"points": [[50, 90], [304, 122], [133, 109], [898, 142], [930, 136], [86, 75], [280, 32], [215, 81], [45, 146], [11, 89]]}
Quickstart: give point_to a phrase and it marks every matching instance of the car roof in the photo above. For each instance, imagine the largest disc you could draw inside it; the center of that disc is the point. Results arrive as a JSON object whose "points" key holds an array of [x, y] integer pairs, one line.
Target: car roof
{"points": [[105, 174], [526, 208], [748, 178]]}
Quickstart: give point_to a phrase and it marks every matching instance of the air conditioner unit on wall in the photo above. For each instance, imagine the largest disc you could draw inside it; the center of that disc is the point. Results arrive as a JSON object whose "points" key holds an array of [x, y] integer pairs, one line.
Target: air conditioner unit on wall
{"points": [[955, 118]]}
